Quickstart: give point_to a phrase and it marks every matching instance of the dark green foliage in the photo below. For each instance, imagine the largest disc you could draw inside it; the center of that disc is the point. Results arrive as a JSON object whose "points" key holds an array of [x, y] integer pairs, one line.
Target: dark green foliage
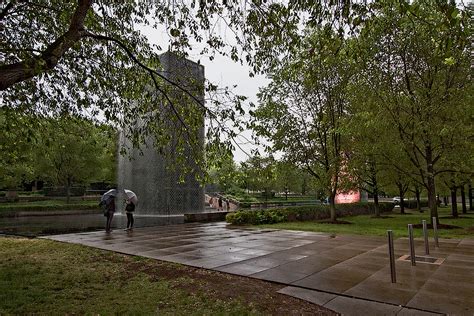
{"points": [[61, 191], [302, 213], [412, 204]]}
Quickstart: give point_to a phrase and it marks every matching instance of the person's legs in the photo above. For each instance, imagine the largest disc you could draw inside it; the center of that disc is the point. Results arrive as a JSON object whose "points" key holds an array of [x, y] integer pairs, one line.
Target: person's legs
{"points": [[109, 221], [131, 220]]}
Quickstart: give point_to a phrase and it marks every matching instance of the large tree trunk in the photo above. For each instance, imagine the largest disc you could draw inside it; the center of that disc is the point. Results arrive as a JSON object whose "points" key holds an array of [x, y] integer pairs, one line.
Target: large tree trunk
{"points": [[463, 200], [28, 68], [454, 204]]}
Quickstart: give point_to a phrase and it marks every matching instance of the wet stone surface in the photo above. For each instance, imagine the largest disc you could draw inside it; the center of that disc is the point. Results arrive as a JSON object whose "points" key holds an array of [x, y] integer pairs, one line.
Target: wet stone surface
{"points": [[348, 274]]}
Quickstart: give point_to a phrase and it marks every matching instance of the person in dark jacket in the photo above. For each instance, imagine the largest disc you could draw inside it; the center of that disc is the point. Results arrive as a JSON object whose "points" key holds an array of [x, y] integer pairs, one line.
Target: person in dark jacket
{"points": [[219, 204], [129, 209], [110, 205]]}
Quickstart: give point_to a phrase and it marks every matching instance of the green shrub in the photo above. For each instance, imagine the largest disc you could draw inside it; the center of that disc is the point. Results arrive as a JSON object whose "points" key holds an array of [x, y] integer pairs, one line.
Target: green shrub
{"points": [[302, 213], [61, 191], [412, 203]]}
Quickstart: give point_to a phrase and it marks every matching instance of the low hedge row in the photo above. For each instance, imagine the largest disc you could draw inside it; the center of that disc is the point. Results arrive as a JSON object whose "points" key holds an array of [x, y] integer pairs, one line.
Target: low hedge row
{"points": [[302, 213], [26, 208], [412, 204]]}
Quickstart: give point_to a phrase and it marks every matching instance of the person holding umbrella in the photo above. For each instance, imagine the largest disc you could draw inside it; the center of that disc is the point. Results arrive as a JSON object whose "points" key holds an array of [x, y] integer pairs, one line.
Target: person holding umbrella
{"points": [[130, 201], [129, 209], [110, 206], [108, 202]]}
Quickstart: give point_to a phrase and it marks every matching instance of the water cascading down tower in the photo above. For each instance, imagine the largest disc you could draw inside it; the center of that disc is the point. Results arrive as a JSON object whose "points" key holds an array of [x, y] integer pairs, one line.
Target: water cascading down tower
{"points": [[162, 188]]}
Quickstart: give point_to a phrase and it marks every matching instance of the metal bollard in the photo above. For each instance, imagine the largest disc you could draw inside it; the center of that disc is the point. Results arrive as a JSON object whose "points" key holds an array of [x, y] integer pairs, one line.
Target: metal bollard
{"points": [[435, 232], [425, 235], [391, 254], [412, 245]]}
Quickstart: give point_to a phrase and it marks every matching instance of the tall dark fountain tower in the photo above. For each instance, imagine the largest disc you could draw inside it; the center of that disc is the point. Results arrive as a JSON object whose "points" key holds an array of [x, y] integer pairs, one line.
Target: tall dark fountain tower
{"points": [[149, 175]]}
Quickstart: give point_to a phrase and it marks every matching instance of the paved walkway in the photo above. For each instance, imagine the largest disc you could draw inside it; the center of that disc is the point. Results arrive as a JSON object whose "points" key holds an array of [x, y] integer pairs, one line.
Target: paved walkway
{"points": [[348, 274]]}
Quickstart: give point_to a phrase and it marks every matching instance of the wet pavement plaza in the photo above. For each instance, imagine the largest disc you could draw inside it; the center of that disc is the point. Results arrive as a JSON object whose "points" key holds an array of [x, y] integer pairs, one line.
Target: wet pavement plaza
{"points": [[348, 274]]}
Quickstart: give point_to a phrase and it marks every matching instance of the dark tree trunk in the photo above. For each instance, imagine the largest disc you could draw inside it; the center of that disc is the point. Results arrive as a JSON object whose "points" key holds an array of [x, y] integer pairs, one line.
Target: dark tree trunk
{"points": [[418, 202], [471, 207], [430, 185], [68, 191], [376, 203], [332, 207], [401, 192], [445, 199], [463, 200], [332, 203], [454, 204], [303, 187]]}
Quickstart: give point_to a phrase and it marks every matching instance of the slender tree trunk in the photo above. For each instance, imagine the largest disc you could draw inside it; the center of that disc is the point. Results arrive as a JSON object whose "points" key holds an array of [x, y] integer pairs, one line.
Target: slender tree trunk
{"points": [[376, 203], [463, 200], [402, 198], [431, 186], [68, 191], [471, 207], [445, 199], [418, 202], [332, 207], [454, 204]]}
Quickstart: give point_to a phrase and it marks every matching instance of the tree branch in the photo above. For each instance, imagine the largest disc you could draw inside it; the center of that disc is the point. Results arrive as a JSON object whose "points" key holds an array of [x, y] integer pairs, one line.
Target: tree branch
{"points": [[132, 56], [11, 74]]}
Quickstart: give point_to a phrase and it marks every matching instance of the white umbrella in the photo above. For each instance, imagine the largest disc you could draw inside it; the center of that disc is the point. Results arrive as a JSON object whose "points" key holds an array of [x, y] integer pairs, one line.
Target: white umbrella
{"points": [[131, 196], [106, 195]]}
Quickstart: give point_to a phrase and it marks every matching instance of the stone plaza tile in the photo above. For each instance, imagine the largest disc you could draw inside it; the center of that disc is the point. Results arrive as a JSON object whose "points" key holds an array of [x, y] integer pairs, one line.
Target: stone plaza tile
{"points": [[442, 303], [318, 266], [382, 293], [208, 263], [154, 254], [234, 257], [310, 265], [240, 269], [279, 275], [406, 311], [312, 296], [328, 283], [351, 306]]}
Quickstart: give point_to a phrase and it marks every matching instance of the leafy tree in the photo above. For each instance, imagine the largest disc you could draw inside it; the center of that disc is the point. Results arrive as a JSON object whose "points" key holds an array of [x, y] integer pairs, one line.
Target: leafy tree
{"points": [[75, 151], [80, 56], [224, 173], [417, 67], [301, 111], [287, 178], [16, 159], [259, 174]]}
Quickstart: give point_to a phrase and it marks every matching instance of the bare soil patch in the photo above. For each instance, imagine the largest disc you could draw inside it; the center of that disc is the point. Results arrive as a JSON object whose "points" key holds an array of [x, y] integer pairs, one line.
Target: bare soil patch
{"points": [[260, 294]]}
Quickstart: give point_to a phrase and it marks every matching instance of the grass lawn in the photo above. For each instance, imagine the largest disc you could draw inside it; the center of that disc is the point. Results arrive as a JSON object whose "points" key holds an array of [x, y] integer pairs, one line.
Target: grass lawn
{"points": [[368, 225], [46, 277], [48, 203]]}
